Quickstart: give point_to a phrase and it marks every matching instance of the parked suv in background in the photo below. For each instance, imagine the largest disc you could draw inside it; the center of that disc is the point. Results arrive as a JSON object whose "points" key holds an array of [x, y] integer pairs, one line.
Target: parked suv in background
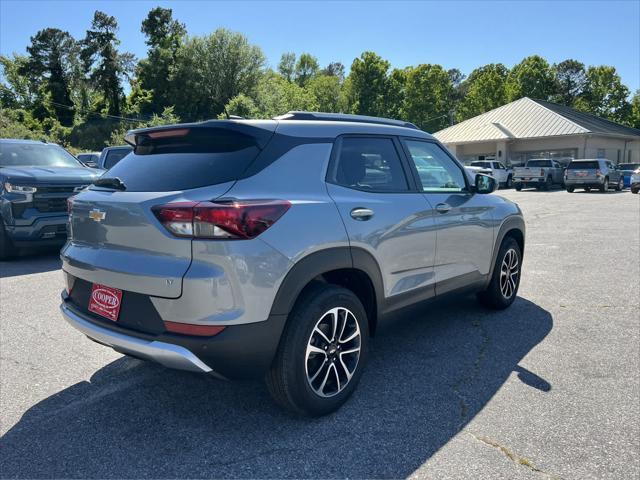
{"points": [[592, 173], [36, 178], [112, 155], [245, 248], [502, 174]]}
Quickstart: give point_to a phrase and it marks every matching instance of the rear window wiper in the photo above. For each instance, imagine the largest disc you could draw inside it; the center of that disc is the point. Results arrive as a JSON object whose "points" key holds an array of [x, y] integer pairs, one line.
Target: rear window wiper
{"points": [[110, 182]]}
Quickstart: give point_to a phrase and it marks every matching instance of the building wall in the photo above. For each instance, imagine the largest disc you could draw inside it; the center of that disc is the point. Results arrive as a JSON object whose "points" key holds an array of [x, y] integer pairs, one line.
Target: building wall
{"points": [[581, 146], [615, 149]]}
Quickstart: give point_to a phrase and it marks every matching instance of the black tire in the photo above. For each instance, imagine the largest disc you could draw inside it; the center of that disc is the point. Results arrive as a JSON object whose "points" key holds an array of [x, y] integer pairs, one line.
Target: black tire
{"points": [[587, 189], [620, 185], [635, 190], [518, 187], [288, 381], [570, 189], [493, 297], [548, 184], [605, 186], [7, 249]]}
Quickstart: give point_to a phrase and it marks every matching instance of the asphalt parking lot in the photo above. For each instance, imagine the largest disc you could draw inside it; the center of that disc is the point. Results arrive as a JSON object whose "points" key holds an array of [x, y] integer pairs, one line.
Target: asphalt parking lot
{"points": [[547, 388]]}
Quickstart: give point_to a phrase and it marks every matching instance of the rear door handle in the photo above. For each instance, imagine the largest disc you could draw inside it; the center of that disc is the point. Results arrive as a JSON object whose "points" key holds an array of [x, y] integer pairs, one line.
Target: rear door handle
{"points": [[361, 214], [443, 207]]}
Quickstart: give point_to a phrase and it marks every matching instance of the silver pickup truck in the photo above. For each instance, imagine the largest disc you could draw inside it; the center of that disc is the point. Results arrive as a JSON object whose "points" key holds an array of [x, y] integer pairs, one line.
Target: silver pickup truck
{"points": [[541, 174]]}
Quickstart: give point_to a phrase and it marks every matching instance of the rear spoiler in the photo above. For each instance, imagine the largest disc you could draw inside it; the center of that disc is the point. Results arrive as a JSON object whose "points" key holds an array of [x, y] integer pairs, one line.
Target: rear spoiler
{"points": [[260, 130]]}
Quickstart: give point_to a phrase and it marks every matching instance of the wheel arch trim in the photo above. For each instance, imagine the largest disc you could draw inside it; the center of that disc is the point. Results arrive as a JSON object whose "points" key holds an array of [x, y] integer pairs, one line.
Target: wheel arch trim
{"points": [[512, 222], [319, 263]]}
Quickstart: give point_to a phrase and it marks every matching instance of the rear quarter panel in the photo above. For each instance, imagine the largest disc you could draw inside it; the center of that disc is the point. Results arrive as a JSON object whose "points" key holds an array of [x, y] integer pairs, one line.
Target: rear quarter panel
{"points": [[235, 282]]}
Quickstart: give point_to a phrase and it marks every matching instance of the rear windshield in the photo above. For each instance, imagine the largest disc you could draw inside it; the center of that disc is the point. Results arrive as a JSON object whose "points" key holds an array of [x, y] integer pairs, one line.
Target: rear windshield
{"points": [[481, 164], [114, 156], [539, 163], [199, 158], [583, 166], [35, 155], [629, 166]]}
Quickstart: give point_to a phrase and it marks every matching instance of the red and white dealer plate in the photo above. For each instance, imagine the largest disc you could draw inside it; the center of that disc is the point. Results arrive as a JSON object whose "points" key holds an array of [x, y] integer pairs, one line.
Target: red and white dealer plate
{"points": [[105, 301]]}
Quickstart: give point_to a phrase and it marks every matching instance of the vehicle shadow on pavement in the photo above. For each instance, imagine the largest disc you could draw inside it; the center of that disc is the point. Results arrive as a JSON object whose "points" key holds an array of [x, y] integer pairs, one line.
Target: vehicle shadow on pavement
{"points": [[29, 263], [428, 376]]}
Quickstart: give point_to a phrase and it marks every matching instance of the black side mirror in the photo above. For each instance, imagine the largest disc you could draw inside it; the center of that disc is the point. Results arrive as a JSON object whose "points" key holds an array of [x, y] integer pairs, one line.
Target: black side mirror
{"points": [[485, 184]]}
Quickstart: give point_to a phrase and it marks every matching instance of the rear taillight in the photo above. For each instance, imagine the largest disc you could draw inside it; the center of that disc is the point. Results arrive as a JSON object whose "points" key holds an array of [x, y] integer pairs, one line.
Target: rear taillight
{"points": [[176, 217], [234, 220]]}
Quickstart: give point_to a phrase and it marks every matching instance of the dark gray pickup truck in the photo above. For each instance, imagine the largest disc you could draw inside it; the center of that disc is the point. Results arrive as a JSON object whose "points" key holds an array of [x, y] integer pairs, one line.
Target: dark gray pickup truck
{"points": [[36, 178]]}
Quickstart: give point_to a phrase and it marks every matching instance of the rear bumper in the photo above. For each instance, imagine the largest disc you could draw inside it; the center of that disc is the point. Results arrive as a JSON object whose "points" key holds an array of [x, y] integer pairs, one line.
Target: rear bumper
{"points": [[587, 182], [239, 351], [529, 180], [172, 356]]}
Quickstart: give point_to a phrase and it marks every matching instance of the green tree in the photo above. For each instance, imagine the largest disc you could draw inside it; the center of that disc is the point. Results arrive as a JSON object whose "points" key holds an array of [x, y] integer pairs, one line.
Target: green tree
{"points": [[428, 95], [276, 96], [287, 65], [213, 69], [153, 89], [273, 96], [242, 106], [634, 116], [457, 79], [367, 85], [570, 79], [394, 98], [604, 94], [18, 123], [52, 57], [105, 65], [334, 69], [16, 90], [306, 68], [484, 90], [167, 117], [530, 78], [326, 90]]}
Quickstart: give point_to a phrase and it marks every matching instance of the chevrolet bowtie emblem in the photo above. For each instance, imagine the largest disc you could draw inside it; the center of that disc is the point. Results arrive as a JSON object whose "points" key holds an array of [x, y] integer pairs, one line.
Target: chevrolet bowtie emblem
{"points": [[97, 215]]}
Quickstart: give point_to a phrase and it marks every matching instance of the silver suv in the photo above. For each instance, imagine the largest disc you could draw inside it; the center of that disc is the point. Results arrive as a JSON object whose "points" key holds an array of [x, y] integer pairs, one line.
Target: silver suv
{"points": [[244, 248], [596, 173]]}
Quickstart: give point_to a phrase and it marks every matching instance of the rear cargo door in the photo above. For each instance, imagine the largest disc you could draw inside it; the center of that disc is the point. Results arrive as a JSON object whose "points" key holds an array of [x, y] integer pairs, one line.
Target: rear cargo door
{"points": [[583, 171], [116, 239]]}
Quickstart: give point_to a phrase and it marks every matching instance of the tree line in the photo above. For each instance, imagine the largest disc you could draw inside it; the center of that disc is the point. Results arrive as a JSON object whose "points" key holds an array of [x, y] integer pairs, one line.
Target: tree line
{"points": [[73, 90]]}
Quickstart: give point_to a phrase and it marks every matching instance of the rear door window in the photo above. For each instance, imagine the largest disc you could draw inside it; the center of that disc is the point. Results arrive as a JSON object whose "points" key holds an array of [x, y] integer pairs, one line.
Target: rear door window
{"points": [[192, 158], [371, 164]]}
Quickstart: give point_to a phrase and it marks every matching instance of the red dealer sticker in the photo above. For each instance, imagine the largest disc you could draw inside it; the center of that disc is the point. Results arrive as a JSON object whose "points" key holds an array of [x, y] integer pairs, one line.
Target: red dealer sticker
{"points": [[105, 301]]}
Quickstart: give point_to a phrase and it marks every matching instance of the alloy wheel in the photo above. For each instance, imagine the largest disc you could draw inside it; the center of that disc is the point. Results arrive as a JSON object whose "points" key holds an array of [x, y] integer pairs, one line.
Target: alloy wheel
{"points": [[333, 351], [509, 272]]}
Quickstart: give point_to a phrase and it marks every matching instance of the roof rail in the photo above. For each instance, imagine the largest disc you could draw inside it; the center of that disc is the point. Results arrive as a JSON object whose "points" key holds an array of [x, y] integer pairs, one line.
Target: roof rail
{"points": [[343, 117]]}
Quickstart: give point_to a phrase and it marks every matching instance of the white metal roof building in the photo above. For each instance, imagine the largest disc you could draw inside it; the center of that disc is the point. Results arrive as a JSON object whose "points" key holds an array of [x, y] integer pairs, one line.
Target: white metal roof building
{"points": [[527, 128]]}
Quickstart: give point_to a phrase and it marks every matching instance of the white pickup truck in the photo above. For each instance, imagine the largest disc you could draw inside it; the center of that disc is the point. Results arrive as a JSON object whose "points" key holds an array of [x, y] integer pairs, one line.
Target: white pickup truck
{"points": [[502, 174], [541, 174]]}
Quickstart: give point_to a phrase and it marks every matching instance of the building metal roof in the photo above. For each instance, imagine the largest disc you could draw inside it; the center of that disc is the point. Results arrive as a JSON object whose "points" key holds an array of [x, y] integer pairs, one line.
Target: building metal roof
{"points": [[528, 118]]}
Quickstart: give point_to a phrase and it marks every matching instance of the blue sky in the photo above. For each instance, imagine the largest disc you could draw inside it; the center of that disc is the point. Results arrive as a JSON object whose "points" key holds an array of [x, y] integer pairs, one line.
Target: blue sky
{"points": [[454, 34]]}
